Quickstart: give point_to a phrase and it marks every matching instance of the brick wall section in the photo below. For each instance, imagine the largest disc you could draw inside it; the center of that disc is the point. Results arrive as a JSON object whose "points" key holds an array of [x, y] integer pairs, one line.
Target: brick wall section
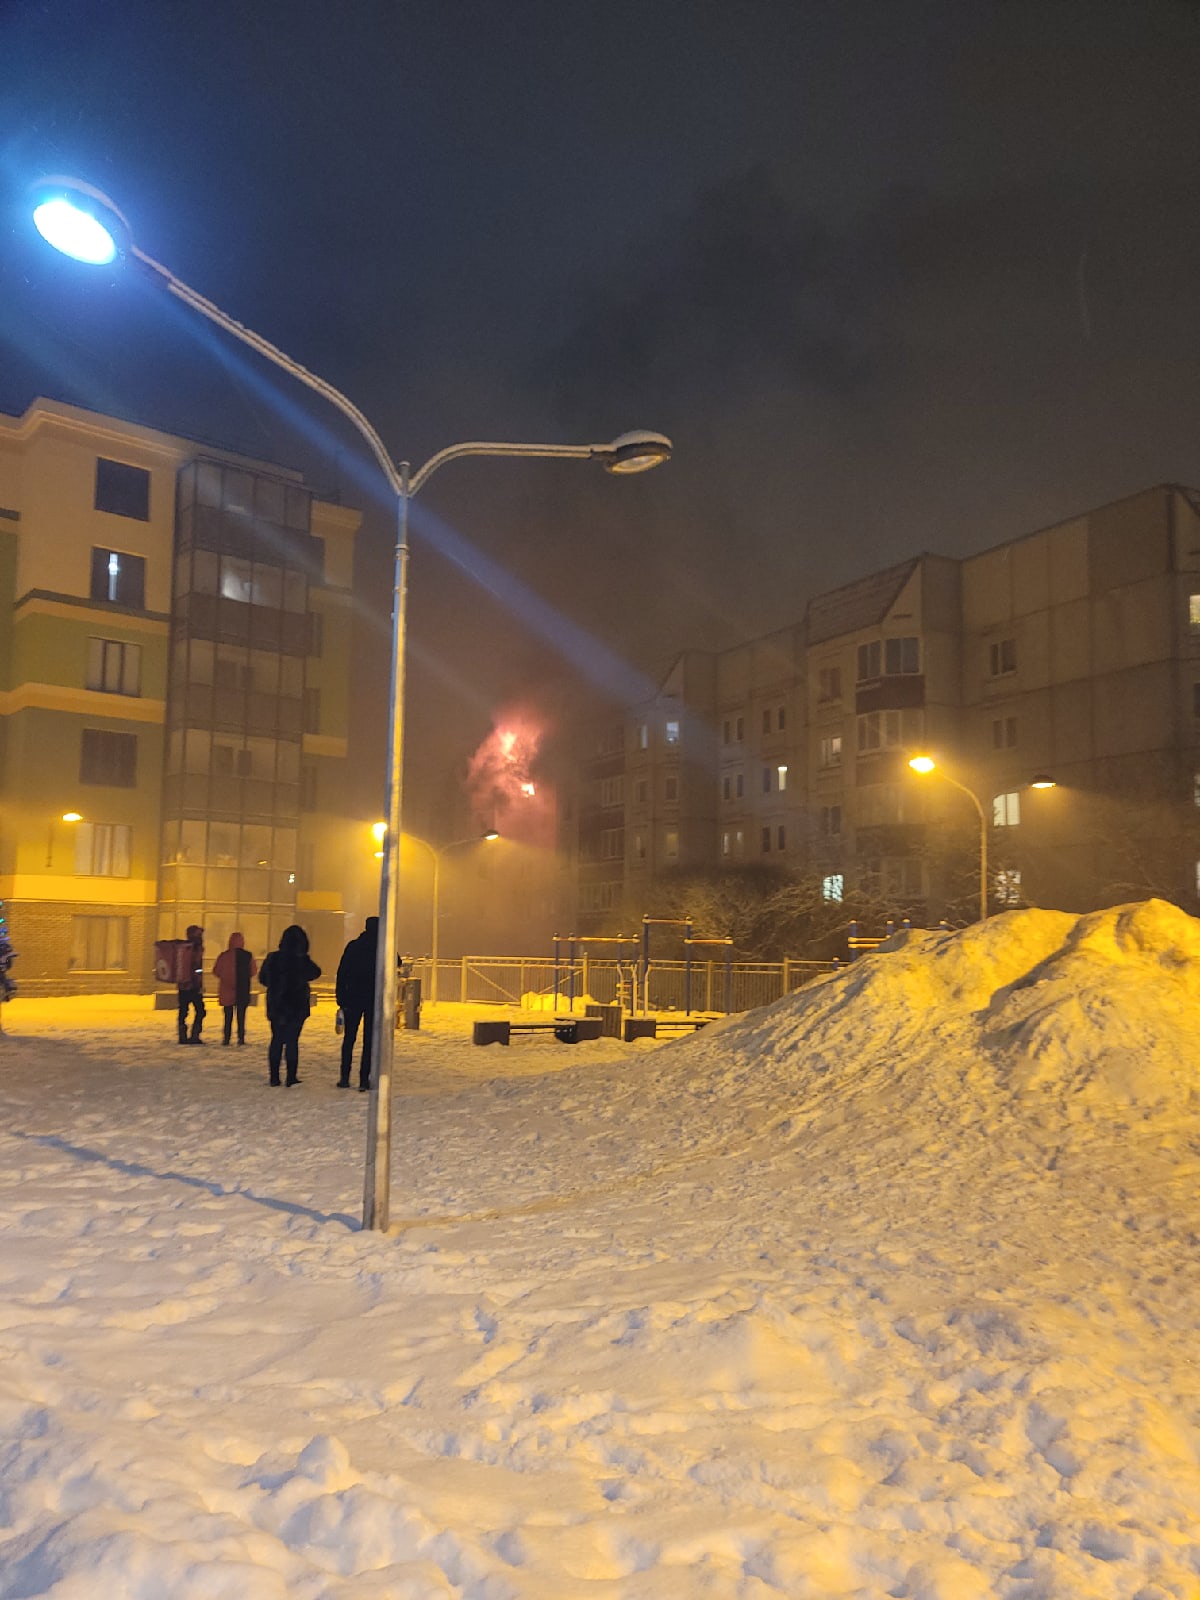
{"points": [[42, 934]]}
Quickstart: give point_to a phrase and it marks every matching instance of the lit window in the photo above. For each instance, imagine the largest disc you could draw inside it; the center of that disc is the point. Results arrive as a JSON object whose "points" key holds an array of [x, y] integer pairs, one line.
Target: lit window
{"points": [[1008, 886], [833, 886], [1006, 810], [725, 843], [781, 773], [102, 849], [672, 732], [831, 750], [739, 840], [1196, 788], [1194, 612], [118, 578], [644, 736], [99, 944], [671, 844]]}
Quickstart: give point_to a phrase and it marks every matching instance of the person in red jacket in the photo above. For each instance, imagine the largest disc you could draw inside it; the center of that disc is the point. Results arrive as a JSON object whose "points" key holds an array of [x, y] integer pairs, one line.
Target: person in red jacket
{"points": [[233, 969]]}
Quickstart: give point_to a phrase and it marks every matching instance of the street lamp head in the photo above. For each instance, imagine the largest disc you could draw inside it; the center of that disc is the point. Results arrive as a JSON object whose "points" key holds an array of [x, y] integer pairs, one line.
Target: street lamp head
{"points": [[922, 763], [72, 816], [80, 221], [379, 829], [491, 834], [1042, 780], [635, 452]]}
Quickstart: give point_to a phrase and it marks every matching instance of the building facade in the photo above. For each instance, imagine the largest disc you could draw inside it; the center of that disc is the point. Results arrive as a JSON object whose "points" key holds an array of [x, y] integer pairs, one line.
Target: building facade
{"points": [[1073, 653], [175, 628]]}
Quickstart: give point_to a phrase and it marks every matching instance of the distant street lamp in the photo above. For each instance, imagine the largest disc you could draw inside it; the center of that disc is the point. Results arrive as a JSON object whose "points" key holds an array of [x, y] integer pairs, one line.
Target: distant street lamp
{"points": [[67, 816], [925, 764], [84, 223], [437, 854]]}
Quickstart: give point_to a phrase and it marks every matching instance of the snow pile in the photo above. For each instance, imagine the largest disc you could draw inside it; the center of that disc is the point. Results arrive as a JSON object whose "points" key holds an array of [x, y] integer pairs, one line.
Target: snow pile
{"points": [[887, 1290]]}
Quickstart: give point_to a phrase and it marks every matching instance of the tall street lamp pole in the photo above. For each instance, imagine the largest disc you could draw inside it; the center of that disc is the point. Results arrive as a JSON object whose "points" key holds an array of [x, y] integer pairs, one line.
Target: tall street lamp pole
{"points": [[925, 764], [437, 855], [85, 224]]}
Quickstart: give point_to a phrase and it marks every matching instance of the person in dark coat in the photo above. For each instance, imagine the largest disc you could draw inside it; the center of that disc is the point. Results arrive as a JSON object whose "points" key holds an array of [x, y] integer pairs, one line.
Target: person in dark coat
{"points": [[191, 989], [233, 969], [356, 996], [285, 975]]}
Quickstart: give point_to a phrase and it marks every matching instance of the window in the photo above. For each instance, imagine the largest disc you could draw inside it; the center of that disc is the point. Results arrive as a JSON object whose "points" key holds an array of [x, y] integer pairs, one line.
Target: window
{"points": [[671, 844], [766, 780], [308, 787], [108, 758], [1003, 657], [727, 788], [641, 791], [725, 843], [781, 719], [901, 877], [1194, 613], [829, 683], [102, 849], [599, 896], [639, 846], [1004, 733], [672, 731], [739, 840], [1007, 886], [741, 729], [612, 741], [869, 660], [122, 489], [612, 791], [781, 837], [612, 844], [901, 656], [781, 774], [1006, 810], [644, 736], [831, 750], [1196, 699], [114, 667], [119, 578], [885, 730], [671, 788], [831, 820], [833, 887], [316, 633], [1196, 788], [766, 721], [739, 785], [725, 731], [766, 841], [312, 711], [99, 944]]}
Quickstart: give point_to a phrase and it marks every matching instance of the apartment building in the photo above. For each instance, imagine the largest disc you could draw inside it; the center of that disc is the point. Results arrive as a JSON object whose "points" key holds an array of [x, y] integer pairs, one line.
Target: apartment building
{"points": [[174, 682], [1072, 652]]}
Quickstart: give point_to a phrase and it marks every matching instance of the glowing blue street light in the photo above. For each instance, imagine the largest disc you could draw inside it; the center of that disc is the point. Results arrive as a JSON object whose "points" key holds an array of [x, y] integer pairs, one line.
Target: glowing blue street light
{"points": [[80, 221]]}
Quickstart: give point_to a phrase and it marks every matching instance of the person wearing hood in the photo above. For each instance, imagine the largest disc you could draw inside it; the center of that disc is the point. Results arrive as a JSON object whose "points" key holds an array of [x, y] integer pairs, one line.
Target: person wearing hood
{"points": [[191, 988], [356, 996], [285, 975], [233, 969]]}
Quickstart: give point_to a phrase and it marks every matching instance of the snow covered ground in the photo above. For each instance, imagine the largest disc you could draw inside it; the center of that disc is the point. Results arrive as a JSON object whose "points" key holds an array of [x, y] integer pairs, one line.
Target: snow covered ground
{"points": [[890, 1289]]}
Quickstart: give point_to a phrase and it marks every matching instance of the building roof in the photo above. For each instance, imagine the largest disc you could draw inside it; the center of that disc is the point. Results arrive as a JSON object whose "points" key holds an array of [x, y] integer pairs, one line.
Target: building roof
{"points": [[861, 604]]}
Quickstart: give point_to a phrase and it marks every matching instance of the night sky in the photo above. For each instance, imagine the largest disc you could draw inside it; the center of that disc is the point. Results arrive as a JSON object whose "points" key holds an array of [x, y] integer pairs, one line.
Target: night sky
{"points": [[913, 275]]}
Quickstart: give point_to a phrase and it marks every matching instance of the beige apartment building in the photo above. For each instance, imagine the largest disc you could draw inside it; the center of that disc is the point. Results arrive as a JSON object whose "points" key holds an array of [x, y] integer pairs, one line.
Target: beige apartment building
{"points": [[1071, 653], [175, 626]]}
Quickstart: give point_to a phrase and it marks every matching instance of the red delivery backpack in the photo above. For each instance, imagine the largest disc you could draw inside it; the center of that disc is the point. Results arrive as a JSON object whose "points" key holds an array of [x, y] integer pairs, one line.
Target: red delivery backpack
{"points": [[173, 960]]}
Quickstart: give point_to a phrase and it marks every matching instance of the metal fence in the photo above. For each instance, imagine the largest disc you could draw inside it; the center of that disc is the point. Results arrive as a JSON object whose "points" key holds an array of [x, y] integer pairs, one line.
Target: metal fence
{"points": [[709, 986]]}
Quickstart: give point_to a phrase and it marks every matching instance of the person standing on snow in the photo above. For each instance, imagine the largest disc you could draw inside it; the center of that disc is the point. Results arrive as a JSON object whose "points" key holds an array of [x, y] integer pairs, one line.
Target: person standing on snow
{"points": [[191, 989], [356, 995], [285, 975], [233, 969]]}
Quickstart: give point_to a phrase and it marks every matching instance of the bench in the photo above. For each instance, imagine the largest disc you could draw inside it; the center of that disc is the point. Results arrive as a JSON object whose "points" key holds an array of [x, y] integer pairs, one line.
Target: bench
{"points": [[649, 1027], [567, 1030]]}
